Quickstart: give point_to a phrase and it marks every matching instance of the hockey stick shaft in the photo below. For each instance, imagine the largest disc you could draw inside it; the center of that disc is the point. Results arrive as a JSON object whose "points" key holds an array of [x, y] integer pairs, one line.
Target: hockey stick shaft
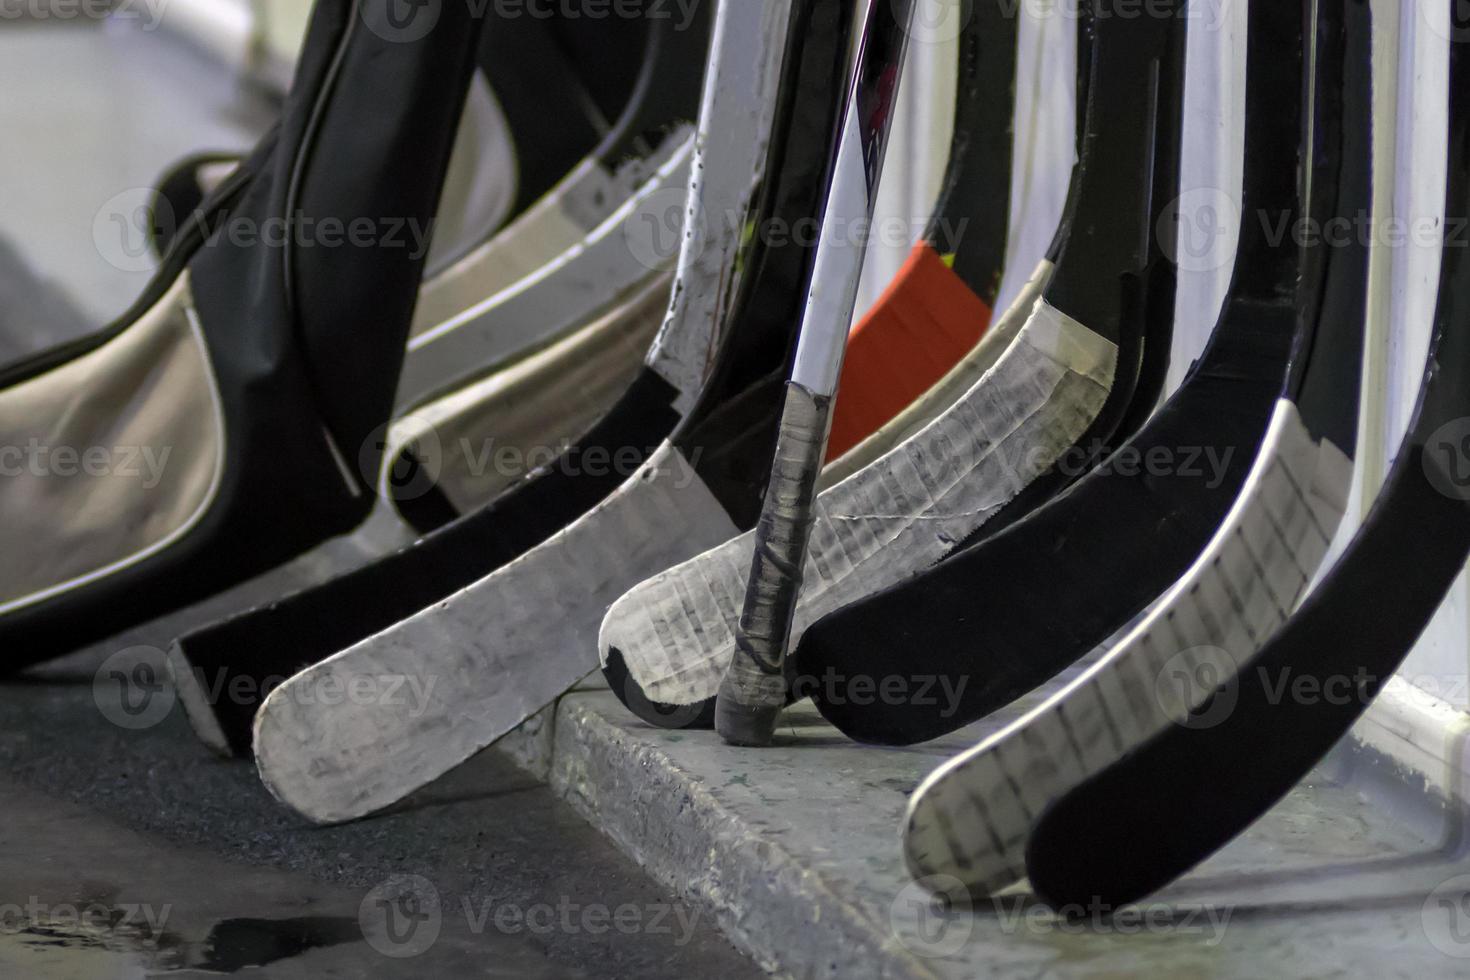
{"points": [[754, 689]]}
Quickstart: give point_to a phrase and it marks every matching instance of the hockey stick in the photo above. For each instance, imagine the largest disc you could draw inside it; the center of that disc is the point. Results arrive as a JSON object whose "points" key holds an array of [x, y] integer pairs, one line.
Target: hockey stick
{"points": [[1054, 381], [1198, 784], [474, 332], [1079, 541], [748, 706], [546, 305], [468, 448], [1247, 580], [566, 260], [662, 93], [938, 306], [508, 645], [740, 320], [930, 316], [676, 630]]}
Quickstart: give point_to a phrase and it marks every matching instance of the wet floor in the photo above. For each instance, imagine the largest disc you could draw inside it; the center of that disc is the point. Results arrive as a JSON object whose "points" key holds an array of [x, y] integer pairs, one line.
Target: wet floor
{"points": [[127, 853]]}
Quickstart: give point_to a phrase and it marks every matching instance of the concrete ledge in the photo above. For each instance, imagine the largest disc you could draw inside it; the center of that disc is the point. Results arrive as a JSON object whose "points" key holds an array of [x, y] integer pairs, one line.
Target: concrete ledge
{"points": [[1423, 738], [795, 851]]}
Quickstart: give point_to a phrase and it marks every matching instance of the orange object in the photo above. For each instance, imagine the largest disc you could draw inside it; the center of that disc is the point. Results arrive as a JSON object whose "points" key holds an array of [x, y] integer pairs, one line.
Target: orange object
{"points": [[926, 321]]}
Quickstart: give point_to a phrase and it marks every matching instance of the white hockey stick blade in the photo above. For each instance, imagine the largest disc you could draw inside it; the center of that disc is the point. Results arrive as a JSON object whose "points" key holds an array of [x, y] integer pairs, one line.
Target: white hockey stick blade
{"points": [[971, 818], [467, 671], [676, 632], [545, 306]]}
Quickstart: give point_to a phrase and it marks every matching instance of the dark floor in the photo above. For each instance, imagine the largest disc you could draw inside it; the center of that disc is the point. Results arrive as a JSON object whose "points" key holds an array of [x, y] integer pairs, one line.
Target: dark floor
{"points": [[132, 853], [510, 880]]}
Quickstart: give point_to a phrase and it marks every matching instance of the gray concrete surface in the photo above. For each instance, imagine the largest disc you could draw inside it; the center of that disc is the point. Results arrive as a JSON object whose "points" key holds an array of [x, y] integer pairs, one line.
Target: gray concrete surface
{"points": [[795, 852]]}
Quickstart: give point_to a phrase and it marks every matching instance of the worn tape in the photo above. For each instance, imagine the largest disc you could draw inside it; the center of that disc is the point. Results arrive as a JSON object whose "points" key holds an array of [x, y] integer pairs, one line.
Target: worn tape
{"points": [[473, 667], [755, 681], [947, 390], [903, 513], [547, 305], [581, 201], [1215, 618]]}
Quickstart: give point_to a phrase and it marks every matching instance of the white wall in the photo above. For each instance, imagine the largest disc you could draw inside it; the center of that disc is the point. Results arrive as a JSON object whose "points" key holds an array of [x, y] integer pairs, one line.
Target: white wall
{"points": [[1441, 661]]}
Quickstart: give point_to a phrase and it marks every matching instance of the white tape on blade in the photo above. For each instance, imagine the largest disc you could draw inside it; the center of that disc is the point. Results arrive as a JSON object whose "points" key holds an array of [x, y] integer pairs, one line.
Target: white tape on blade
{"points": [[463, 673], [546, 306], [948, 389], [571, 210], [903, 513], [1235, 596]]}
